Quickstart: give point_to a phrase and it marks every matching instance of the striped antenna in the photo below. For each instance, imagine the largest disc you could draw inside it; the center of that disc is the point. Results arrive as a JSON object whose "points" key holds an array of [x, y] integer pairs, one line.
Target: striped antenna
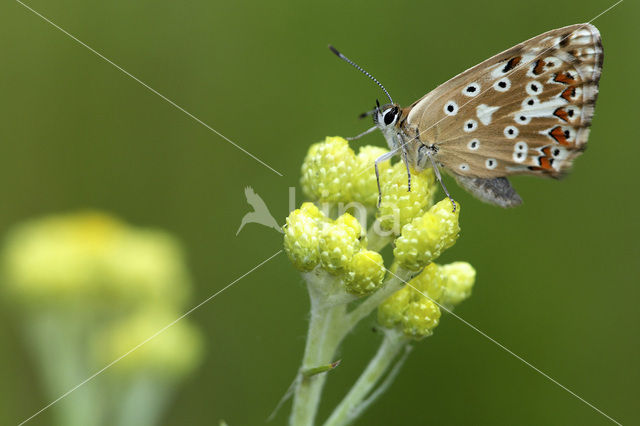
{"points": [[358, 67]]}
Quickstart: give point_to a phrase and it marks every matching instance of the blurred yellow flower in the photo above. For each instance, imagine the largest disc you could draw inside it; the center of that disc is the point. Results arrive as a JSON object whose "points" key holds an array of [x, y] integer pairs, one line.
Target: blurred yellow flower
{"points": [[92, 259], [167, 353]]}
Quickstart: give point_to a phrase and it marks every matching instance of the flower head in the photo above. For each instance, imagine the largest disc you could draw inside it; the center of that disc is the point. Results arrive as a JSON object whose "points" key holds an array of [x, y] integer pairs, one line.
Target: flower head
{"points": [[301, 236], [399, 205], [459, 280], [365, 273], [426, 237], [171, 354], [327, 171], [91, 260], [410, 311], [339, 242], [414, 309]]}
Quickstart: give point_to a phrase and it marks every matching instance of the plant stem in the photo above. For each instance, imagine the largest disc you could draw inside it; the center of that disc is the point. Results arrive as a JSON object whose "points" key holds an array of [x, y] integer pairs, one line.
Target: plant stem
{"points": [[59, 346], [349, 408], [377, 242], [326, 329]]}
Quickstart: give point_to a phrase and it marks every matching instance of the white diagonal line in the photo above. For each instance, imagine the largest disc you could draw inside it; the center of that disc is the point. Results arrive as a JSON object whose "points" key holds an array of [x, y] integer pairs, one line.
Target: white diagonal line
{"points": [[151, 89], [513, 70], [156, 334], [509, 351]]}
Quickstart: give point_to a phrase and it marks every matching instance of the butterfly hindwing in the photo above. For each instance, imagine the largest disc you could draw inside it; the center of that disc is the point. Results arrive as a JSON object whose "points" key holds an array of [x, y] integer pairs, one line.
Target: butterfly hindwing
{"points": [[526, 110]]}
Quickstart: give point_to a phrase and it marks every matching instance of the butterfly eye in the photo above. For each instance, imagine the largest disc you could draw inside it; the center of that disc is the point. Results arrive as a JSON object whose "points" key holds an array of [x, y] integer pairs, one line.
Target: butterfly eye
{"points": [[390, 116]]}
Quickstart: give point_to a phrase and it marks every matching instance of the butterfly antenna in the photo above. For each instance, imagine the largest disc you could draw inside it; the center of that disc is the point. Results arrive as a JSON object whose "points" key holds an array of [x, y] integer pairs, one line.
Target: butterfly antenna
{"points": [[358, 67]]}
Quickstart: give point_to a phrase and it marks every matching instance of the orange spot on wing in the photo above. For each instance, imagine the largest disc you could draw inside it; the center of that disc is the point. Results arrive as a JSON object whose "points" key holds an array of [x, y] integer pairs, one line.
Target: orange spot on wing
{"points": [[561, 114], [538, 69], [565, 78], [547, 151], [558, 134], [545, 163], [568, 93], [513, 62]]}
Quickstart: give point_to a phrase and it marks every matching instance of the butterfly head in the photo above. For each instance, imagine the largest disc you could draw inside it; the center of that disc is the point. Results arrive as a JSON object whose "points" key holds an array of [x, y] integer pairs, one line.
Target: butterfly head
{"points": [[387, 116]]}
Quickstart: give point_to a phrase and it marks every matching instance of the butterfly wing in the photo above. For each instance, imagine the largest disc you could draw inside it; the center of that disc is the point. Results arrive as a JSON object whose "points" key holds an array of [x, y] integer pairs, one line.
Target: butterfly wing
{"points": [[526, 110]]}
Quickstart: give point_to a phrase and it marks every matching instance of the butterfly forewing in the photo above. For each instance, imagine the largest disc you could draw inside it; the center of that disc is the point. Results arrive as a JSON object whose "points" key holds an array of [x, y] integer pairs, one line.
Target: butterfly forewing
{"points": [[526, 110]]}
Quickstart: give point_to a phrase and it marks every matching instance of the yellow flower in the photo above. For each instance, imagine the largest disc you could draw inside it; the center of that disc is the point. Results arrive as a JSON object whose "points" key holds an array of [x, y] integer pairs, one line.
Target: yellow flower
{"points": [[90, 260], [327, 171], [301, 236], [170, 354], [427, 236], [459, 279], [365, 273], [410, 311], [399, 206], [339, 241]]}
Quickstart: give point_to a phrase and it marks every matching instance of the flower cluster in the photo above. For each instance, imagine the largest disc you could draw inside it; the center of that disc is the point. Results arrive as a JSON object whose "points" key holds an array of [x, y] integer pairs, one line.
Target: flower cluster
{"points": [[338, 246], [332, 173], [415, 309], [339, 254]]}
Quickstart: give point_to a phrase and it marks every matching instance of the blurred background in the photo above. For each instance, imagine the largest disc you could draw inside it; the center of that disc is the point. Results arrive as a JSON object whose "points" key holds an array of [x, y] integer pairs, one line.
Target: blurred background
{"points": [[557, 278]]}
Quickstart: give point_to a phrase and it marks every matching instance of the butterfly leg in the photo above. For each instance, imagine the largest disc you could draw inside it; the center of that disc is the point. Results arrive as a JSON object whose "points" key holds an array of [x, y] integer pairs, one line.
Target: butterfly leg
{"points": [[406, 163], [439, 177], [383, 157]]}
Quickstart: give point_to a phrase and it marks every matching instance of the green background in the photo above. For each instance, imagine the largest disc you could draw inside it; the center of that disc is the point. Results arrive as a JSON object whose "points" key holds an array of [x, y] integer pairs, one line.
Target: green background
{"points": [[557, 278]]}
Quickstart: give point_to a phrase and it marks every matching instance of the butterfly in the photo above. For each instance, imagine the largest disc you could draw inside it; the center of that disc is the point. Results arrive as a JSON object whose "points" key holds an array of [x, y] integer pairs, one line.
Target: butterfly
{"points": [[525, 111]]}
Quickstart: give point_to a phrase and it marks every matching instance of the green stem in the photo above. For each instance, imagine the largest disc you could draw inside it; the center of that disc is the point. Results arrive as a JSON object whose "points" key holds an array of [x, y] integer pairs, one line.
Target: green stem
{"points": [[377, 242], [141, 401], [326, 329], [60, 347], [350, 407]]}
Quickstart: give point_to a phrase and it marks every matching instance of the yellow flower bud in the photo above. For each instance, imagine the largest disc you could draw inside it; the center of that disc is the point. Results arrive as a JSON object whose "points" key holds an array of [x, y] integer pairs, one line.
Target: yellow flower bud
{"points": [[430, 282], [301, 236], [365, 273], [409, 311], [427, 236], [339, 241], [421, 318], [399, 206], [327, 171], [459, 279]]}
